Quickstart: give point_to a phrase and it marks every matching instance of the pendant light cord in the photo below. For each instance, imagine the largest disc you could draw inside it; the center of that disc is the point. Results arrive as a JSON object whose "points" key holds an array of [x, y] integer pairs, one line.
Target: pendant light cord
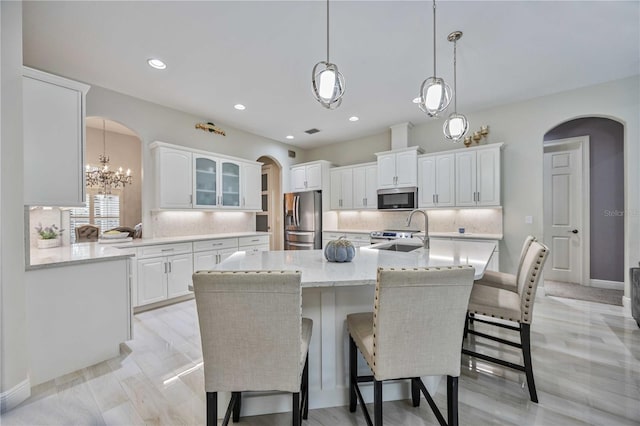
{"points": [[434, 38], [327, 31], [104, 139], [455, 85]]}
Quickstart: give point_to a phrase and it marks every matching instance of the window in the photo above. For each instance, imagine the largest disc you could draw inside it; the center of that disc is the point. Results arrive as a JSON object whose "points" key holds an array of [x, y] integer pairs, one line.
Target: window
{"points": [[100, 210]]}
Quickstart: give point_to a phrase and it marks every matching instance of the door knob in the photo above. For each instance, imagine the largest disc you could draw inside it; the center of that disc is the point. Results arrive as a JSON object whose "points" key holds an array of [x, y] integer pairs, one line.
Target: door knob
{"points": [[573, 231]]}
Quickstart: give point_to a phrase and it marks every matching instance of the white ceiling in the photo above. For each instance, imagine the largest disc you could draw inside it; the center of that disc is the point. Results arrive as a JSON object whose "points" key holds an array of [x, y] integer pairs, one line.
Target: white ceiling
{"points": [[260, 53]]}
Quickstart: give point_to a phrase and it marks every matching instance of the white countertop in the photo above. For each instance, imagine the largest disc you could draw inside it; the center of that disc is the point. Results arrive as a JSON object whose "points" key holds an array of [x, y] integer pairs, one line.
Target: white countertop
{"points": [[452, 234], [75, 253], [318, 272], [95, 252]]}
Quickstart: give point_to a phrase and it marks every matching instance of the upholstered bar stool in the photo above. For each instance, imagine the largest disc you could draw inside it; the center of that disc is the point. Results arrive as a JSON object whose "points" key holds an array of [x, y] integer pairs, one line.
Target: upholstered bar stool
{"points": [[253, 337], [514, 305], [504, 280], [414, 330], [86, 233]]}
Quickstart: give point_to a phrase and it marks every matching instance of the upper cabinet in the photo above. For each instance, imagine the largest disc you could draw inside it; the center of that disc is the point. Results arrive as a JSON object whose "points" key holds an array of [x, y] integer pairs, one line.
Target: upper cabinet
{"points": [[309, 176], [436, 180], [54, 139], [478, 176], [365, 186], [398, 168], [342, 188], [188, 179], [173, 178], [216, 182]]}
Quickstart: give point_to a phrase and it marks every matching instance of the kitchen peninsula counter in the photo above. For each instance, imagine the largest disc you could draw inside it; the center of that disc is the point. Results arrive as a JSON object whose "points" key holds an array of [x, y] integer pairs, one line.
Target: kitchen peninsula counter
{"points": [[79, 253]]}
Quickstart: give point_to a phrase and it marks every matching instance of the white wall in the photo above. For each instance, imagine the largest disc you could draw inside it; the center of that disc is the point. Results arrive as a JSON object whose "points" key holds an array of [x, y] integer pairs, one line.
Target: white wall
{"points": [[13, 345], [154, 122], [521, 127], [357, 151]]}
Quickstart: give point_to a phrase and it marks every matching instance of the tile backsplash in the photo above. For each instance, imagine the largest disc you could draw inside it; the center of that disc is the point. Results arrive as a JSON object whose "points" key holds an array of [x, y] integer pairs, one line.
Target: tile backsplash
{"points": [[178, 223], [475, 221]]}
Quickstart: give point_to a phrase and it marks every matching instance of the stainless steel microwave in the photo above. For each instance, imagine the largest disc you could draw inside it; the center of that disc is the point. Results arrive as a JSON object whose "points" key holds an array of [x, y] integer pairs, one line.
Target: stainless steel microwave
{"points": [[398, 198]]}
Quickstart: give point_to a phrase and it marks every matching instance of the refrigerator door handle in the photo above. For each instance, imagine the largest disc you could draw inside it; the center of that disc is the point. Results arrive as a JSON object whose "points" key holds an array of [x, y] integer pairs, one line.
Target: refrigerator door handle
{"points": [[296, 210]]}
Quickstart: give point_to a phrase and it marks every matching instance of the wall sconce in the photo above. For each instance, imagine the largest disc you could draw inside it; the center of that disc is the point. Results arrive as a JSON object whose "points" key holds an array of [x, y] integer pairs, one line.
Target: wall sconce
{"points": [[477, 136]]}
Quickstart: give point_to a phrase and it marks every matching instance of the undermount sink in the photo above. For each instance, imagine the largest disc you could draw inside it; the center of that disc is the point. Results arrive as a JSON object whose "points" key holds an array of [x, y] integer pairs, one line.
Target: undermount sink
{"points": [[399, 247]]}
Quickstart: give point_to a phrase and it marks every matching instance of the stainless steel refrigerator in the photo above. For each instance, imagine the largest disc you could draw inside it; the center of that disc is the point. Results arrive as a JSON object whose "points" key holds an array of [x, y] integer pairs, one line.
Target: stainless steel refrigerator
{"points": [[303, 220]]}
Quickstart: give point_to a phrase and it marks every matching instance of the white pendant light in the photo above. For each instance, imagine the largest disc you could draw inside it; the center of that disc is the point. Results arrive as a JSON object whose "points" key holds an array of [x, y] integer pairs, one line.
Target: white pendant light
{"points": [[435, 94], [457, 125], [327, 82]]}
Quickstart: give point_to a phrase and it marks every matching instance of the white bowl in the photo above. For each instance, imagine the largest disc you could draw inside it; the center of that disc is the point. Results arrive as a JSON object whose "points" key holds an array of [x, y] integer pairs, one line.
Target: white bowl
{"points": [[117, 236]]}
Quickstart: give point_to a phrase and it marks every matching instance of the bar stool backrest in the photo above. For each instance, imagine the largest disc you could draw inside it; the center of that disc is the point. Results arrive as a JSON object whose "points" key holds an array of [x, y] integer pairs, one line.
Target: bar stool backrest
{"points": [[418, 321], [250, 325], [528, 278]]}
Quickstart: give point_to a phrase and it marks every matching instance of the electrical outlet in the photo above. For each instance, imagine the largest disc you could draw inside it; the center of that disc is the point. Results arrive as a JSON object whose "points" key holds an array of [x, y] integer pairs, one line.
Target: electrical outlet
{"points": [[528, 219]]}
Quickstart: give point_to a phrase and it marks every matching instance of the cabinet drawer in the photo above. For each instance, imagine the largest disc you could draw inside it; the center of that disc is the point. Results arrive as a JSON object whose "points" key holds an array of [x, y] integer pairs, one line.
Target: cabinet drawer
{"points": [[164, 250], [222, 243], [332, 235], [360, 238], [252, 241], [254, 248]]}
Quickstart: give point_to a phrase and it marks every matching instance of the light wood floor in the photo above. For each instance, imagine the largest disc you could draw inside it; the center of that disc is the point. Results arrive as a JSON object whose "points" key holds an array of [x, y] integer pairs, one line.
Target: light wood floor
{"points": [[586, 359]]}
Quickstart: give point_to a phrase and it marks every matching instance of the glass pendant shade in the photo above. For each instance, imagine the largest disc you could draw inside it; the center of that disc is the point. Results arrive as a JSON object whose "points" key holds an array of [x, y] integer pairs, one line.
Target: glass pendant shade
{"points": [[435, 96], [455, 127], [328, 84]]}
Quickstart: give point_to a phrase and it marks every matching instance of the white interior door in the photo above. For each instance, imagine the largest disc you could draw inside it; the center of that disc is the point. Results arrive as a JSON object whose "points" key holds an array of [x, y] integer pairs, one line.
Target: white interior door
{"points": [[563, 211]]}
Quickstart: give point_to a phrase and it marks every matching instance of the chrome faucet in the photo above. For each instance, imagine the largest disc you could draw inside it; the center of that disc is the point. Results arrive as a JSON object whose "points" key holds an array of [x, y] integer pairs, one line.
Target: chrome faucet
{"points": [[425, 239]]}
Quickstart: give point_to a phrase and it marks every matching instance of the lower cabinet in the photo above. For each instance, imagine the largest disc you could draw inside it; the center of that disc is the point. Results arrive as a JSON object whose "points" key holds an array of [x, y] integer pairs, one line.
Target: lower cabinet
{"points": [[357, 239], [253, 244], [163, 272], [207, 254]]}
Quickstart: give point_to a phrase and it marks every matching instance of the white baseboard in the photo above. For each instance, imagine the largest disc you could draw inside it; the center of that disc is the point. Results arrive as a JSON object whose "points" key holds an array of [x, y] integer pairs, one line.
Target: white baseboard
{"points": [[626, 306], [611, 285], [15, 395]]}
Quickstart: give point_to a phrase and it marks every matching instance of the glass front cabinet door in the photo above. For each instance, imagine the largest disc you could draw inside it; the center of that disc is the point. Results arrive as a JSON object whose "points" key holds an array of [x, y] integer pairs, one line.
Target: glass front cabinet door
{"points": [[217, 182], [206, 182], [230, 188]]}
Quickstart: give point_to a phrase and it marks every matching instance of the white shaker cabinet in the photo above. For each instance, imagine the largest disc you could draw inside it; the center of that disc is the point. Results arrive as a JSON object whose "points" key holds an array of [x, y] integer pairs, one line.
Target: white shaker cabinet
{"points": [[254, 243], [478, 177], [436, 180], [398, 168], [163, 272], [54, 139], [341, 188], [365, 185], [251, 186], [207, 254], [173, 178], [309, 176]]}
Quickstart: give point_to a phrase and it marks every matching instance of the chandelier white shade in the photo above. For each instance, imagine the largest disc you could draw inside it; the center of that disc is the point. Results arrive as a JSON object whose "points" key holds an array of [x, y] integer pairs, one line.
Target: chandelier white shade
{"points": [[326, 81], [435, 93], [457, 125]]}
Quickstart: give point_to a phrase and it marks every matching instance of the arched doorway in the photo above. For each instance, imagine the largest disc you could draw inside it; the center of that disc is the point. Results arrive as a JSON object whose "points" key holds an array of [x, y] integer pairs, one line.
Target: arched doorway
{"points": [[602, 205], [122, 207], [270, 219]]}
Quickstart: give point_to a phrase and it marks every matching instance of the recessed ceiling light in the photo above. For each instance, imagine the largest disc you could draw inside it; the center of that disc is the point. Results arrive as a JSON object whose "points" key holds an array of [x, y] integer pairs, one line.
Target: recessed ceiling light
{"points": [[156, 63], [289, 136], [416, 100], [354, 118], [239, 107]]}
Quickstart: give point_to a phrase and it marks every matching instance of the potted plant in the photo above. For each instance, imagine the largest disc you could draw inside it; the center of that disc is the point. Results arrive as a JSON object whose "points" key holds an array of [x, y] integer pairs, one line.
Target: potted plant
{"points": [[49, 236]]}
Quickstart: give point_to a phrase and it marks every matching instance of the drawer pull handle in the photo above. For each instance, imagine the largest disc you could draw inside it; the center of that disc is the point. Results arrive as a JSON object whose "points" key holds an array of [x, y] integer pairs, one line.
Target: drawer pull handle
{"points": [[169, 249]]}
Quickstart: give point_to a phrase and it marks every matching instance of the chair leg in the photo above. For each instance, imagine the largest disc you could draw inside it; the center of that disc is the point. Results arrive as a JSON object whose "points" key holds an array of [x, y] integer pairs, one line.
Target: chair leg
{"points": [[236, 407], [415, 392], [212, 408], [296, 409], [528, 366], [377, 403], [466, 326], [353, 375], [305, 390], [452, 401]]}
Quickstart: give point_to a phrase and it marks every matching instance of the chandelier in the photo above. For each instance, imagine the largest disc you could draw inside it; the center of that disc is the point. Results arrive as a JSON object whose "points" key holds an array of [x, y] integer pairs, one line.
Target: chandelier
{"points": [[101, 177]]}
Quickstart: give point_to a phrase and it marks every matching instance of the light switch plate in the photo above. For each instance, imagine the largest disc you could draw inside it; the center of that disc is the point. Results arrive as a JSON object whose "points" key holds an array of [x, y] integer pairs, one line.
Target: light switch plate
{"points": [[528, 219]]}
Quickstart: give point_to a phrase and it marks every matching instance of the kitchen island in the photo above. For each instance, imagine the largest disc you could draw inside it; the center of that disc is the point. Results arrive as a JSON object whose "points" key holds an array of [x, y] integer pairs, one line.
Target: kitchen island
{"points": [[330, 292]]}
